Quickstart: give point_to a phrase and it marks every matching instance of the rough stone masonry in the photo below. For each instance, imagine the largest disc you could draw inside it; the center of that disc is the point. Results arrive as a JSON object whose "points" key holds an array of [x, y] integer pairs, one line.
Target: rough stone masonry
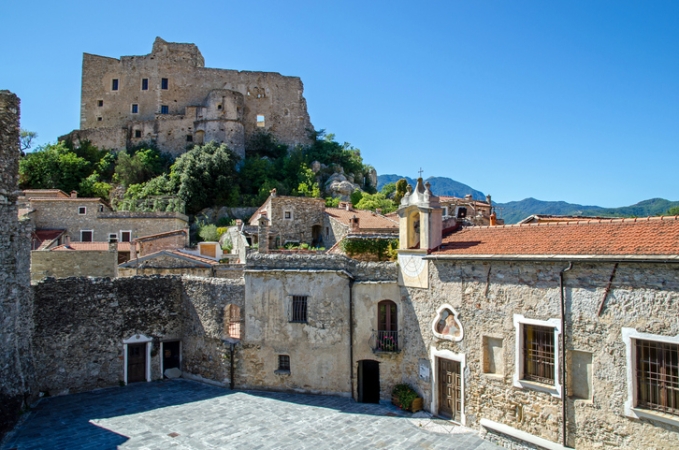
{"points": [[15, 296]]}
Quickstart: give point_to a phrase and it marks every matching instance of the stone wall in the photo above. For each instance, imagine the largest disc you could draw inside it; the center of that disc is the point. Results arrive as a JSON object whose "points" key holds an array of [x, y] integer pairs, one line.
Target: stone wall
{"points": [[487, 296], [63, 264], [16, 363], [206, 104], [172, 241], [291, 219]]}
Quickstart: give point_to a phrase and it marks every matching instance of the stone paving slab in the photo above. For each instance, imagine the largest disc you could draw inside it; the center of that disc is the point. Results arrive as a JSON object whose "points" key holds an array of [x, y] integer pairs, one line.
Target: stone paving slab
{"points": [[182, 414]]}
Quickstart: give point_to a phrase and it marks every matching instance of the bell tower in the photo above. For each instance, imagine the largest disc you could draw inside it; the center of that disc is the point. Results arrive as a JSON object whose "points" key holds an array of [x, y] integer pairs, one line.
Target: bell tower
{"points": [[420, 219]]}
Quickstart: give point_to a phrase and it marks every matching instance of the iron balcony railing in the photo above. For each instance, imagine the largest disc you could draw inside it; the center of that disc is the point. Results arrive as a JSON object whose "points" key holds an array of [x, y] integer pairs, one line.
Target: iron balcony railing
{"points": [[385, 341]]}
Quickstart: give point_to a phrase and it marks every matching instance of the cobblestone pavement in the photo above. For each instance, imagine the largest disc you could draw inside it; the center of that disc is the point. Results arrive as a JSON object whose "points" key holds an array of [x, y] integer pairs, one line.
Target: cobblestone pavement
{"points": [[182, 414]]}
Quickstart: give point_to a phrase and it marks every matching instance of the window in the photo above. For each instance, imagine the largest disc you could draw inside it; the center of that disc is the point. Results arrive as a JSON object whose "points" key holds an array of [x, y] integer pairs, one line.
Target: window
{"points": [[101, 208], [114, 84], [492, 355], [144, 84], [387, 327], [445, 211], [163, 83], [284, 363], [82, 210], [260, 120], [164, 109], [189, 138], [233, 323], [135, 108], [137, 133], [99, 119], [112, 237], [299, 308], [287, 215], [125, 236], [100, 103], [461, 212], [657, 376], [86, 235], [219, 107], [538, 354]]}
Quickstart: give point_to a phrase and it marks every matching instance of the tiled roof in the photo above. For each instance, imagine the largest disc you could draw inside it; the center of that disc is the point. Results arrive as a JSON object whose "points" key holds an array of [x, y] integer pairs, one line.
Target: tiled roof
{"points": [[366, 219], [193, 256], [32, 193], [656, 236], [543, 218], [449, 199], [81, 246], [151, 237]]}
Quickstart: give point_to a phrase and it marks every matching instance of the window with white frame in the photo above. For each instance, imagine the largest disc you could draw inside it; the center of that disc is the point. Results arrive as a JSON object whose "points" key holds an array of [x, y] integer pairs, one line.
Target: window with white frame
{"points": [[113, 237], [86, 235], [287, 215], [537, 354], [125, 236], [652, 376], [82, 210]]}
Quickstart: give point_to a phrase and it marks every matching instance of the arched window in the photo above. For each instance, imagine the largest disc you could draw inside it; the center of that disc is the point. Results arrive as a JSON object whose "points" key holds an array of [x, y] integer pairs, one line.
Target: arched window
{"points": [[233, 322], [387, 326]]}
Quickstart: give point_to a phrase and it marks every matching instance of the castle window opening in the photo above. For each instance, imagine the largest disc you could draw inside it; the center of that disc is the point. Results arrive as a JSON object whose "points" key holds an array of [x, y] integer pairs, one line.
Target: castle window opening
{"points": [[299, 308], [137, 133], [135, 108], [284, 363], [657, 376], [144, 84], [260, 120], [164, 109], [114, 84], [219, 107], [100, 103], [99, 119], [287, 215], [86, 235], [164, 83], [101, 208], [82, 210], [189, 138]]}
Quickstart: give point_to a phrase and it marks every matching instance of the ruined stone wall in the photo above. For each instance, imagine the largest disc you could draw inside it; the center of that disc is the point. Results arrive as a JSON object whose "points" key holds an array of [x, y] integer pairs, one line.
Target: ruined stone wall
{"points": [[333, 231], [64, 215], [488, 295], [146, 247], [199, 97], [63, 264], [16, 363]]}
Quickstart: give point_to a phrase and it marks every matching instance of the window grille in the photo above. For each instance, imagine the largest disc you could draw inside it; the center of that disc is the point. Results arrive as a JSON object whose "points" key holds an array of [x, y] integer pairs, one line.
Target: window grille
{"points": [[538, 354], [657, 375], [235, 322], [284, 363], [299, 308]]}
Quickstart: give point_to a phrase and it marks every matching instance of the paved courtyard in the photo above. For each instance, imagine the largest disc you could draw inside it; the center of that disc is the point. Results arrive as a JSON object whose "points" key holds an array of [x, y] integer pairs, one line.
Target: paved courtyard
{"points": [[181, 414]]}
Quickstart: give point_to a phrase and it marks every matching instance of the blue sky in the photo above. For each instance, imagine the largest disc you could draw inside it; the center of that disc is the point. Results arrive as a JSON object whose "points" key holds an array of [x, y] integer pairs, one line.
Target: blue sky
{"points": [[574, 101]]}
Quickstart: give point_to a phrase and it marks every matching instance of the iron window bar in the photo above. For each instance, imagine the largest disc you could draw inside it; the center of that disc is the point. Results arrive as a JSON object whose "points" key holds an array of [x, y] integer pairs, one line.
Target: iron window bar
{"points": [[657, 376], [299, 309], [538, 346]]}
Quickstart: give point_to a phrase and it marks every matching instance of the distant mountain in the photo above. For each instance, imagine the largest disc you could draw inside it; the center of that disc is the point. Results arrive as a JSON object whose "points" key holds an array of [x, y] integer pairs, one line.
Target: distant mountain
{"points": [[439, 186], [513, 212]]}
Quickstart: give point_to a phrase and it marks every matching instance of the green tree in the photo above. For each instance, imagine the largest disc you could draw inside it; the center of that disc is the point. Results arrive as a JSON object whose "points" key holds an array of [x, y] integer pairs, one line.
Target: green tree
{"points": [[356, 197], [205, 176], [401, 186], [26, 139], [308, 187], [53, 166], [375, 201], [92, 187], [388, 189], [673, 211]]}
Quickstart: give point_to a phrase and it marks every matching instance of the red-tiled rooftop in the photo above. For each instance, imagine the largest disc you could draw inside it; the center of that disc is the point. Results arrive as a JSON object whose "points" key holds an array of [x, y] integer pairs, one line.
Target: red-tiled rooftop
{"points": [[655, 236], [366, 219], [82, 246]]}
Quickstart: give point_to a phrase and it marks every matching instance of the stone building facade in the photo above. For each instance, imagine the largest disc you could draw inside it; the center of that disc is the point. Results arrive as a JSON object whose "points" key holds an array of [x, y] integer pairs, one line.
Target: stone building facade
{"points": [[77, 263], [291, 220], [16, 327], [170, 97]]}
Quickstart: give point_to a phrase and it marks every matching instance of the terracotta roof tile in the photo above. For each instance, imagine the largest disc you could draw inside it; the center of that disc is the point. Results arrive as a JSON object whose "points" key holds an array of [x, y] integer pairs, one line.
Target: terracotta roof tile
{"points": [[632, 237], [82, 246], [366, 219]]}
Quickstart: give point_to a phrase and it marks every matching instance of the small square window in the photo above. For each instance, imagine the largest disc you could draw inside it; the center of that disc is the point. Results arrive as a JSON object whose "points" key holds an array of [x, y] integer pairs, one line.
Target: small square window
{"points": [[125, 236], [86, 235], [100, 103], [99, 119], [299, 308], [144, 84], [164, 109], [101, 208], [82, 210], [135, 108], [112, 237], [260, 120], [189, 138], [137, 133], [114, 84], [163, 83], [284, 363], [219, 107], [287, 215]]}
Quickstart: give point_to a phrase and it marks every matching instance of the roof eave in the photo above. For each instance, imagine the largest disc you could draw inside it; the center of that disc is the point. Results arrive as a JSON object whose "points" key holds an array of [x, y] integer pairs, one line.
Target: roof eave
{"points": [[582, 258]]}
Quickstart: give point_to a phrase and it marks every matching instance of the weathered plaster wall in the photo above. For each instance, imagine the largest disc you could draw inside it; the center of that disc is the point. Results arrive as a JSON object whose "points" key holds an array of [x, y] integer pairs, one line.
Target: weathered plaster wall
{"points": [[16, 363], [61, 264], [487, 295]]}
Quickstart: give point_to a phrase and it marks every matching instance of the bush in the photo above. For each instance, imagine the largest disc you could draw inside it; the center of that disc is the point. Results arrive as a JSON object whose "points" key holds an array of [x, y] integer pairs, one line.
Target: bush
{"points": [[404, 395], [208, 232]]}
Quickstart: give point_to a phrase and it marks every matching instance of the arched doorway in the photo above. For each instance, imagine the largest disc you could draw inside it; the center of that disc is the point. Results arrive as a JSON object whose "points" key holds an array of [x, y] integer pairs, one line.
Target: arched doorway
{"points": [[368, 381]]}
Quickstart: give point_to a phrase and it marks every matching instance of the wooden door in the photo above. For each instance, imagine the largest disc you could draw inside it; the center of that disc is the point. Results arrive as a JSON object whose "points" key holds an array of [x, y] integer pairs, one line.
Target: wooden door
{"points": [[449, 389], [136, 362]]}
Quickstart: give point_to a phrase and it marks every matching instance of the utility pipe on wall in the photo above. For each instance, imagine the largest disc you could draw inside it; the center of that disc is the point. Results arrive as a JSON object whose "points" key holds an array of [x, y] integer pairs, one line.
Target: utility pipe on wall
{"points": [[563, 354]]}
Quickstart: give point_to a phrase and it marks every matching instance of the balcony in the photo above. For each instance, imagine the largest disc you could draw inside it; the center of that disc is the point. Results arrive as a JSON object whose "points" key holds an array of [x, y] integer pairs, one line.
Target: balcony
{"points": [[385, 341]]}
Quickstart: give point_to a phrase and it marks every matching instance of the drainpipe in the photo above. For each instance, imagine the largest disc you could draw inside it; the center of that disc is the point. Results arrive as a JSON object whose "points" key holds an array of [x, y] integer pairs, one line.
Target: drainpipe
{"points": [[351, 336], [563, 353], [231, 383]]}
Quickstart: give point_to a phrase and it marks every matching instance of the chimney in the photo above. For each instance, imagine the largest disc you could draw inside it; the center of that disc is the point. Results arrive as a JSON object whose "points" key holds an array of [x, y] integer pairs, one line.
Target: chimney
{"points": [[263, 233], [488, 199], [378, 210], [354, 223], [493, 219], [348, 205], [133, 249], [74, 194], [468, 197], [67, 240]]}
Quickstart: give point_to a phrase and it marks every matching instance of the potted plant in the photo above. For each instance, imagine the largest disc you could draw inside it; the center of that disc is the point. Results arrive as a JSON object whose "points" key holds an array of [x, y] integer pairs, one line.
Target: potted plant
{"points": [[405, 397]]}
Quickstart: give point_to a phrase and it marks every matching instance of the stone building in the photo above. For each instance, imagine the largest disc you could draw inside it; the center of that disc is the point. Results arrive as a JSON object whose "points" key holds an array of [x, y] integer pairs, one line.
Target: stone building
{"points": [[171, 98], [345, 220], [468, 211]]}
